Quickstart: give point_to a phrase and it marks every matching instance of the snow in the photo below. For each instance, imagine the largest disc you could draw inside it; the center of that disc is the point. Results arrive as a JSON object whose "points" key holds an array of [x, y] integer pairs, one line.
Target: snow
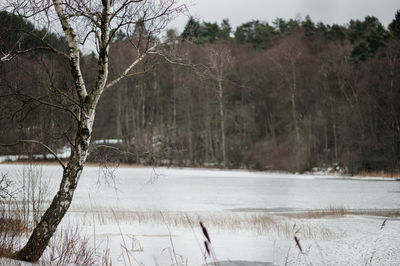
{"points": [[63, 153], [107, 141], [140, 213], [9, 158], [10, 262]]}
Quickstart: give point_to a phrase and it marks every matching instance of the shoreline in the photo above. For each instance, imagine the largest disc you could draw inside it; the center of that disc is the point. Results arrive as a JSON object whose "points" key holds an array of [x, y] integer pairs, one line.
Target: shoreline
{"points": [[362, 176], [90, 164]]}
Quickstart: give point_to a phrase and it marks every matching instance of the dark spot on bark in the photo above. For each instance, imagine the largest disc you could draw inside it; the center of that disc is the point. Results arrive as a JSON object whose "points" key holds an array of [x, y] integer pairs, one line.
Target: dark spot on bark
{"points": [[85, 132], [87, 99]]}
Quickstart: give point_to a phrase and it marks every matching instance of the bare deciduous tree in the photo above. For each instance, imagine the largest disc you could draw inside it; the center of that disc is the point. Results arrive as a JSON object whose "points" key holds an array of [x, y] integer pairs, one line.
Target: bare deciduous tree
{"points": [[219, 62], [82, 22]]}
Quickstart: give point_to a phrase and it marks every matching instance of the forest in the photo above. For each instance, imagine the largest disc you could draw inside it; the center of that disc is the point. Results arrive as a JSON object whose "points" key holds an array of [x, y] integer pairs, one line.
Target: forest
{"points": [[283, 95]]}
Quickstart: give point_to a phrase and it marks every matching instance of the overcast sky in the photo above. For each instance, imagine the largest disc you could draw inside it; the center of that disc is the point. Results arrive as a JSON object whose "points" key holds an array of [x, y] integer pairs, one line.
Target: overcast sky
{"points": [[327, 11]]}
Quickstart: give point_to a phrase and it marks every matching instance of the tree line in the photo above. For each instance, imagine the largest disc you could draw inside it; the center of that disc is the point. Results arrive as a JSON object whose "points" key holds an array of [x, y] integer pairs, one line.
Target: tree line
{"points": [[287, 95]]}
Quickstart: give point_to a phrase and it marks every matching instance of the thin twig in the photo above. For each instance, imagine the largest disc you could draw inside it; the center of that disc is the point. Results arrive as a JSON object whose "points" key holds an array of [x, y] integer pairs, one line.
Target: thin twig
{"points": [[39, 143]]}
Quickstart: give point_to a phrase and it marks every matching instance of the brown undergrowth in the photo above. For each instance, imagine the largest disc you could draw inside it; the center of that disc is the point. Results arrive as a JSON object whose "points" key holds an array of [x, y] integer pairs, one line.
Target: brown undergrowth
{"points": [[336, 212], [378, 174], [12, 229], [21, 210], [67, 247]]}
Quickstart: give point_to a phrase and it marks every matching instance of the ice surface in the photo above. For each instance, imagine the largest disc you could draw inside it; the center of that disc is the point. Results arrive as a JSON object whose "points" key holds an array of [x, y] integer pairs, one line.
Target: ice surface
{"points": [[352, 239]]}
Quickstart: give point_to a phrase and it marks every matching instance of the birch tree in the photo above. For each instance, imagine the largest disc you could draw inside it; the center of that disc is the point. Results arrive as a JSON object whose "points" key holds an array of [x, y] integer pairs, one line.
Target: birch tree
{"points": [[286, 59], [220, 61], [82, 22]]}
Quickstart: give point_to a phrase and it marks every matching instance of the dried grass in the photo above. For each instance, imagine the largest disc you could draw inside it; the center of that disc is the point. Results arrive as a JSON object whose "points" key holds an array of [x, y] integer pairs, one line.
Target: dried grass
{"points": [[19, 217], [261, 223], [378, 174], [335, 212], [12, 229], [231, 221], [317, 214], [69, 247]]}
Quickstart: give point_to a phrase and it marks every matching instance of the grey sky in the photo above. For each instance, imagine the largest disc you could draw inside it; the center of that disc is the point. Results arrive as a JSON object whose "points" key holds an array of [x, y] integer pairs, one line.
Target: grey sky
{"points": [[327, 11]]}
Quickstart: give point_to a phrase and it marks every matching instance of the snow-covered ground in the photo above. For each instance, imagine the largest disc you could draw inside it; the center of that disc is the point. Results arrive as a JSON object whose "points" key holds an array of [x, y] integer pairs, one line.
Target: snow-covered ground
{"points": [[63, 153], [146, 215]]}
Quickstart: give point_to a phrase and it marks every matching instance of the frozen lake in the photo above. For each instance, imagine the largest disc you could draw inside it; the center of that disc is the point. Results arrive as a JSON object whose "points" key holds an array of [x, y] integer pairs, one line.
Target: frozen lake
{"points": [[215, 190], [221, 192], [209, 190]]}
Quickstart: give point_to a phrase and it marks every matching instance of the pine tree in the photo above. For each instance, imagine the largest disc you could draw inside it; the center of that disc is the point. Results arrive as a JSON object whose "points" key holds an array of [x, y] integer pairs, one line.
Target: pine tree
{"points": [[394, 27], [308, 26]]}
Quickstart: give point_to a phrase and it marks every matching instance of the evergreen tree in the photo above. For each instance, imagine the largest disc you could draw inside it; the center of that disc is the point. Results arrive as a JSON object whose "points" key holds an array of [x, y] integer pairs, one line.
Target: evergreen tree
{"points": [[374, 37], [394, 27], [293, 24], [17, 33], [208, 33], [308, 26], [321, 28], [14, 31], [377, 38], [281, 26], [336, 33], [256, 33], [225, 29], [360, 52], [192, 29], [205, 32], [118, 36], [355, 30]]}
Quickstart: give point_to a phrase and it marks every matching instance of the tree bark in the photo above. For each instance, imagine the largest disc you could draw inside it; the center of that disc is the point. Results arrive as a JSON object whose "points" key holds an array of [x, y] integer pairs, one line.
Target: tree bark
{"points": [[47, 226], [85, 101], [293, 101], [222, 122]]}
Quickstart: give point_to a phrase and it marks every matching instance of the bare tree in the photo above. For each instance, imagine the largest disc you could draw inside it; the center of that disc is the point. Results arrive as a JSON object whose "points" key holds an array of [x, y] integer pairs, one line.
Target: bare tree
{"points": [[219, 61], [286, 58], [82, 22], [289, 54]]}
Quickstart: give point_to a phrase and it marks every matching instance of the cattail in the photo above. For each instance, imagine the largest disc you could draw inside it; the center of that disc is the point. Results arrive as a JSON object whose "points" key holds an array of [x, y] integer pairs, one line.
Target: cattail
{"points": [[207, 248], [298, 243], [384, 223], [205, 232]]}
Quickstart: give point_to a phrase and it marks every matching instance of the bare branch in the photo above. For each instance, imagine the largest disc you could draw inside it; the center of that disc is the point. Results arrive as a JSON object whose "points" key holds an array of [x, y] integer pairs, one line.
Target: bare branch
{"points": [[20, 7], [169, 60], [9, 56], [6, 57], [39, 143], [65, 95], [50, 104], [87, 14], [129, 68]]}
